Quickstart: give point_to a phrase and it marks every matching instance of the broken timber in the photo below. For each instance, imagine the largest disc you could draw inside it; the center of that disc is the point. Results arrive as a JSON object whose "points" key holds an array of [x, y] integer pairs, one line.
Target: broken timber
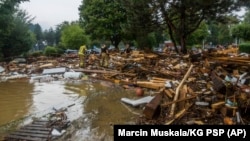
{"points": [[152, 109], [41, 129], [37, 131], [232, 60], [172, 110], [103, 71]]}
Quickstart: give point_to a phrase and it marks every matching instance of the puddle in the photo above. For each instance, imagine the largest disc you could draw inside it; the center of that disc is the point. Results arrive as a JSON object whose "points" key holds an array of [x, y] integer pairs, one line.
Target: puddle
{"points": [[92, 106]]}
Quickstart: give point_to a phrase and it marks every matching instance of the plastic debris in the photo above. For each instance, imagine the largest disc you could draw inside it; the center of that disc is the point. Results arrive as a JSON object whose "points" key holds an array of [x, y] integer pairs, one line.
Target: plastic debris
{"points": [[137, 102]]}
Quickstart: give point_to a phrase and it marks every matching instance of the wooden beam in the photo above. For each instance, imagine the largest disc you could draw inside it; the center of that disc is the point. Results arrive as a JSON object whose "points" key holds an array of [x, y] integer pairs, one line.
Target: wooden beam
{"points": [[103, 71], [178, 90]]}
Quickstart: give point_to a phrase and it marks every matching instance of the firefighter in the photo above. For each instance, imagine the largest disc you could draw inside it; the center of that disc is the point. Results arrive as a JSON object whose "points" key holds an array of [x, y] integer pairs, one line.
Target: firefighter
{"points": [[127, 50], [81, 54], [104, 56]]}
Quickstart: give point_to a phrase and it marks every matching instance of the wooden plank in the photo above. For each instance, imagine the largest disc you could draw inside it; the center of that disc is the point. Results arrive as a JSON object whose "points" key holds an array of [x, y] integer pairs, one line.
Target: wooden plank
{"points": [[30, 134], [40, 122], [34, 131], [179, 100], [160, 79], [150, 85], [19, 138], [103, 71], [218, 84], [152, 108], [36, 128], [168, 93], [233, 60], [183, 95], [36, 125]]}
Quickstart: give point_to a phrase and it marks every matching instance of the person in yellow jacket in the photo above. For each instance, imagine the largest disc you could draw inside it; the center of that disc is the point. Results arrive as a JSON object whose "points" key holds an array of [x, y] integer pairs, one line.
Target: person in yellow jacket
{"points": [[104, 56], [81, 54]]}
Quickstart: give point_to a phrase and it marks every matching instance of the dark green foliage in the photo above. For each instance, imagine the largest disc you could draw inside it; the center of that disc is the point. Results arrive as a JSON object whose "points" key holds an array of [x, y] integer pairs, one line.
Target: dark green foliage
{"points": [[198, 36], [103, 20], [140, 23], [138, 20], [73, 36], [183, 17], [247, 17], [49, 36], [20, 39], [242, 31], [16, 39], [51, 51], [244, 47], [35, 54], [38, 32]]}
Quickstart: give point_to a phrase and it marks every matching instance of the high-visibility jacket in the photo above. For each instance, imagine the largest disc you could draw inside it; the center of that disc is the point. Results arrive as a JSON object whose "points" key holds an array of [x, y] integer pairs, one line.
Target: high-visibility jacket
{"points": [[82, 50]]}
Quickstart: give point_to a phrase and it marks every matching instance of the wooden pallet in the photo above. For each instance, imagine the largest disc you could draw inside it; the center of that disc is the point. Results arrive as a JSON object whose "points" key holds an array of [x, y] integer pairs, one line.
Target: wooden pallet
{"points": [[36, 131]]}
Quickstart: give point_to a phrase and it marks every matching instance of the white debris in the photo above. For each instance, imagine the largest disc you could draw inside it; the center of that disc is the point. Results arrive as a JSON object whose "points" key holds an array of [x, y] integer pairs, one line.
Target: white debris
{"points": [[137, 102]]}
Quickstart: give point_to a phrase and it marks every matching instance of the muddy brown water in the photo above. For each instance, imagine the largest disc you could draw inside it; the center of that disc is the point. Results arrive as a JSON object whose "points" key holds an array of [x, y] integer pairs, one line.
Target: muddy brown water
{"points": [[93, 106]]}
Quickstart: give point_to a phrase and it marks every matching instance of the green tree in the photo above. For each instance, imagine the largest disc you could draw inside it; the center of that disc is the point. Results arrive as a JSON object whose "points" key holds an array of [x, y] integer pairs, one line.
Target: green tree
{"points": [[102, 20], [247, 17], [7, 10], [225, 37], [13, 42], [20, 39], [241, 31], [198, 36], [183, 17], [58, 33], [73, 36], [37, 29], [49, 36], [220, 33], [140, 23], [213, 33]]}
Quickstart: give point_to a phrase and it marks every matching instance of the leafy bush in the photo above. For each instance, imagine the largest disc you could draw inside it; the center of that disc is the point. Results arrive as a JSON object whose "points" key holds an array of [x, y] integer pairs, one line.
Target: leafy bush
{"points": [[50, 51], [244, 47], [59, 51], [35, 54]]}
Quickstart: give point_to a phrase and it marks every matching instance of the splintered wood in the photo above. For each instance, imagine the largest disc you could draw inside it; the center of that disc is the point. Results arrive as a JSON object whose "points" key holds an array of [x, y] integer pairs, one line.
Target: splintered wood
{"points": [[200, 86]]}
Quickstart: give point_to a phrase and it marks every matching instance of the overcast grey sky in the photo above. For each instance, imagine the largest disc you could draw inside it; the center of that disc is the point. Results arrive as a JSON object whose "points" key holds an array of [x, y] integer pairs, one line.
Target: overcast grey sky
{"points": [[49, 13]]}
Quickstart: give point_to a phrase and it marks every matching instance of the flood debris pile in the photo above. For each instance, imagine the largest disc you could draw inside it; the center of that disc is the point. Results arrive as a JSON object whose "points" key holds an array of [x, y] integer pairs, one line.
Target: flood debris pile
{"points": [[211, 91], [208, 87], [49, 127]]}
